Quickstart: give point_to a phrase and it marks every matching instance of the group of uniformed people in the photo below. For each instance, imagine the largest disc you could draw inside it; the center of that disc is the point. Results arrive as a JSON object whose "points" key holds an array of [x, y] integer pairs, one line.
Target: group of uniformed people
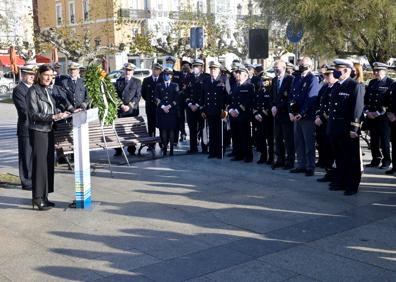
{"points": [[285, 118]]}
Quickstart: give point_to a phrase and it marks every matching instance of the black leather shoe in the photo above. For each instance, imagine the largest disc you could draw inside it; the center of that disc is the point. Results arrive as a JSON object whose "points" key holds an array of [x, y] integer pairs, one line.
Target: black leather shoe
{"points": [[261, 161], [270, 161], [276, 165], [324, 179], [41, 205], [336, 188], [388, 172], [288, 167], [236, 159], [385, 165], [309, 172], [248, 160], [349, 193], [372, 164], [27, 188], [230, 155], [192, 151], [297, 170], [211, 156]]}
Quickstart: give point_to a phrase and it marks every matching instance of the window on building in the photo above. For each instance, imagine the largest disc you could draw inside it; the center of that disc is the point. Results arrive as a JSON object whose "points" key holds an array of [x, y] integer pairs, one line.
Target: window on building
{"points": [[72, 13], [58, 14], [86, 10]]}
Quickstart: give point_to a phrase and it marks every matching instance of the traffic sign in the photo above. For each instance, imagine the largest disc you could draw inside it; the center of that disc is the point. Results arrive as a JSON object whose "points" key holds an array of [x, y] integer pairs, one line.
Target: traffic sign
{"points": [[294, 32], [197, 37]]}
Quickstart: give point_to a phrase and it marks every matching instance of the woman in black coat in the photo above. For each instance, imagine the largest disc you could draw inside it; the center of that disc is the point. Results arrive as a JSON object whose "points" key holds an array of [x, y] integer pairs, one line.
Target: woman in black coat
{"points": [[42, 113], [167, 95]]}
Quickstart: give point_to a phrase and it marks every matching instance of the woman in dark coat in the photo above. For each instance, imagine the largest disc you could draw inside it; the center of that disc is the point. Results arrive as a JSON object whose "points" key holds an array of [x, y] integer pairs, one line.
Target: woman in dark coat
{"points": [[167, 94], [42, 114]]}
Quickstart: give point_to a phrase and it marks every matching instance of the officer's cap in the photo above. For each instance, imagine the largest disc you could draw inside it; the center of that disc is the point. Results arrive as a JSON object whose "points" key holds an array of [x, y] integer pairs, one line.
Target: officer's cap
{"points": [[170, 59], [168, 70], [186, 61], [129, 66], [237, 61], [249, 66], [343, 63], [289, 65], [214, 64], [29, 69], [157, 66], [82, 68], [198, 62], [241, 68], [57, 65], [258, 68], [329, 69], [74, 66], [380, 66]]}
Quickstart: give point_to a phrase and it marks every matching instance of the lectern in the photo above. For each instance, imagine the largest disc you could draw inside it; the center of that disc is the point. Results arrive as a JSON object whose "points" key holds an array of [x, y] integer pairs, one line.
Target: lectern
{"points": [[82, 164]]}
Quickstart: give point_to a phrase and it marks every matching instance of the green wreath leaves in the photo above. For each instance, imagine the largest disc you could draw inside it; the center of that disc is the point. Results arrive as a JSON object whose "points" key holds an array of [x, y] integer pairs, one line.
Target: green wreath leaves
{"points": [[94, 79]]}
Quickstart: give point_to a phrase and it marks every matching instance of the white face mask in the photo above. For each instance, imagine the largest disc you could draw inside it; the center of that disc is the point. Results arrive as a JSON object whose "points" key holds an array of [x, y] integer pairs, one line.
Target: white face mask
{"points": [[196, 70]]}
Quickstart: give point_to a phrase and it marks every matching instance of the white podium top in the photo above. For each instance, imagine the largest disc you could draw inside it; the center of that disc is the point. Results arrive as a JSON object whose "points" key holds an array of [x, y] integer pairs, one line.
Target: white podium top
{"points": [[85, 116]]}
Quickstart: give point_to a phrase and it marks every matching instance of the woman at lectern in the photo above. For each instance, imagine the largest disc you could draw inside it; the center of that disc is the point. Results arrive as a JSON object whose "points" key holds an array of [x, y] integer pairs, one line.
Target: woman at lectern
{"points": [[42, 115]]}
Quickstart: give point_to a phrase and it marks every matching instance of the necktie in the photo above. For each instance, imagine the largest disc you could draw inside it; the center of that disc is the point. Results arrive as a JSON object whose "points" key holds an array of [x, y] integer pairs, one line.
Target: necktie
{"points": [[278, 85]]}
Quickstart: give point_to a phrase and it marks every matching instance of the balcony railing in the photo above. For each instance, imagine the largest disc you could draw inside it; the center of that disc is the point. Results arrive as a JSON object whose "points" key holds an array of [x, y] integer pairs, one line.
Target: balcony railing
{"points": [[134, 14]]}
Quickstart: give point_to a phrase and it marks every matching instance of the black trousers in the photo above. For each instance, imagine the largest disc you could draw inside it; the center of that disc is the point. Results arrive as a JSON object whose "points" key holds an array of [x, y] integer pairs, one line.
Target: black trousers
{"points": [[182, 119], [241, 138], [151, 112], [167, 136], [348, 161], [393, 141], [214, 123], [326, 158], [42, 163], [25, 161], [379, 138], [195, 125], [284, 142], [265, 138]]}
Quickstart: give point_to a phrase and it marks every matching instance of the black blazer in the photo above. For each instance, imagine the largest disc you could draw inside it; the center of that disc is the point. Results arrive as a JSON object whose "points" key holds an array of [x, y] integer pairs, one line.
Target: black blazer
{"points": [[167, 96], [148, 90], [76, 93], [346, 108], [281, 97], [19, 97]]}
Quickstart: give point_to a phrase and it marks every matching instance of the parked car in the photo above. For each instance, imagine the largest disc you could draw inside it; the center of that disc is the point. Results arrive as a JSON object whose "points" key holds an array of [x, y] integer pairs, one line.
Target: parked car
{"points": [[6, 85], [138, 73]]}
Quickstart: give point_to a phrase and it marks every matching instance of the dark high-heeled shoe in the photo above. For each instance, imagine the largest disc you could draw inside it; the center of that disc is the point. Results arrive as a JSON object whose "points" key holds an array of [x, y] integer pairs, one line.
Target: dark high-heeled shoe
{"points": [[48, 203], [41, 205]]}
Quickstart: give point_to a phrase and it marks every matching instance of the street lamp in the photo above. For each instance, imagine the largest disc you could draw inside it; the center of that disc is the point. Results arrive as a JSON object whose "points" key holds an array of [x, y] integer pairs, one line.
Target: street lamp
{"points": [[250, 8], [239, 10]]}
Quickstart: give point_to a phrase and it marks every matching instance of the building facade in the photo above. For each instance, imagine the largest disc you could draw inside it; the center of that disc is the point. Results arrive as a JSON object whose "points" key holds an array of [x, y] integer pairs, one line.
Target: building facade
{"points": [[115, 23]]}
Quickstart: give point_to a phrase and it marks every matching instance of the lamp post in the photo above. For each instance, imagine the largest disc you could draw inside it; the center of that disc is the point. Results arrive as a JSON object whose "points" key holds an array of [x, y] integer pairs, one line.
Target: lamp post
{"points": [[250, 11]]}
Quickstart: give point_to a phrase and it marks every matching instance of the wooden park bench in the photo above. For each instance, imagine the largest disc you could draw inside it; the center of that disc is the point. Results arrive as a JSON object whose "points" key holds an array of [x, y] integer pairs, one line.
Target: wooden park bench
{"points": [[128, 131]]}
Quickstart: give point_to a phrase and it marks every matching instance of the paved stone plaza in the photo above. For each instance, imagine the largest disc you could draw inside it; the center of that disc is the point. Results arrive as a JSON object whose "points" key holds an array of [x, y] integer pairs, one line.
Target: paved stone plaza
{"points": [[190, 218]]}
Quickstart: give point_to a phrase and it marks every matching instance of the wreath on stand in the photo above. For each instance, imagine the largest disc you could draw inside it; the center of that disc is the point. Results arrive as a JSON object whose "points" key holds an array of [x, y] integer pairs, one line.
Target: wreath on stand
{"points": [[102, 94]]}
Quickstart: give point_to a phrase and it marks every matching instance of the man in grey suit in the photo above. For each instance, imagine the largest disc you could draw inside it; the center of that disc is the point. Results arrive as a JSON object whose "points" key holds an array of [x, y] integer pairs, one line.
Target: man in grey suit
{"points": [[24, 149]]}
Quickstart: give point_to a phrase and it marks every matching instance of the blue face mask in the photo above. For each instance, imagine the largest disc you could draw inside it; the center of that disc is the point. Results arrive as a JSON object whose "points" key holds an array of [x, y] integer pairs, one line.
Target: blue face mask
{"points": [[166, 77], [337, 74], [169, 65]]}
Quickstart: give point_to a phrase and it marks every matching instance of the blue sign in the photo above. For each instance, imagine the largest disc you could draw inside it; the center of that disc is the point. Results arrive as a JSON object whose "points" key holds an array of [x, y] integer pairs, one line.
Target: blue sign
{"points": [[294, 32], [196, 37]]}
